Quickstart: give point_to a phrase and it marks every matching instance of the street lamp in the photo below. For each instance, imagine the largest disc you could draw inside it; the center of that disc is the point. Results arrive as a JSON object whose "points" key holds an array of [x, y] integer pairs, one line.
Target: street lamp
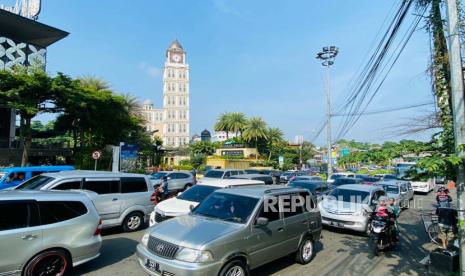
{"points": [[328, 55]]}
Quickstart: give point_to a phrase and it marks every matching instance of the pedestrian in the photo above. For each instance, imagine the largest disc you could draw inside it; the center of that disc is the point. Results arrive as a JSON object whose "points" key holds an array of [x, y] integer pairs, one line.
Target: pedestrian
{"points": [[443, 198], [447, 221]]}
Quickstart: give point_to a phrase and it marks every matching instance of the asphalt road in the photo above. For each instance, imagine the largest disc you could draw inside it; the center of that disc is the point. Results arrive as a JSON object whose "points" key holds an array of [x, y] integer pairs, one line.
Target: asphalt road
{"points": [[339, 252]]}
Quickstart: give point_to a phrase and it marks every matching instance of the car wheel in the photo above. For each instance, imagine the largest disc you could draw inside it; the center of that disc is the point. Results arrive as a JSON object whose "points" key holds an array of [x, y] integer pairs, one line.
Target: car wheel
{"points": [[234, 268], [305, 253], [52, 262], [133, 222], [187, 186]]}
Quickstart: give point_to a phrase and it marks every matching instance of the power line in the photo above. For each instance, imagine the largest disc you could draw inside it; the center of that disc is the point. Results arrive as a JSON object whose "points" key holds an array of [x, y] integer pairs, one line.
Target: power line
{"points": [[385, 110]]}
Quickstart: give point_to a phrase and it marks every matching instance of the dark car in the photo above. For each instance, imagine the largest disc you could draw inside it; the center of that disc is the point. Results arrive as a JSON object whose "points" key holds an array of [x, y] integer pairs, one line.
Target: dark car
{"points": [[267, 179], [345, 181], [252, 171], [318, 188]]}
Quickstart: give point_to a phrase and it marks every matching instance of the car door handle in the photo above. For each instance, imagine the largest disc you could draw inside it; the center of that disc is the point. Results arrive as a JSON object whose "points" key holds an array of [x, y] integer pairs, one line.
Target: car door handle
{"points": [[114, 199], [29, 237], [305, 222], [280, 229]]}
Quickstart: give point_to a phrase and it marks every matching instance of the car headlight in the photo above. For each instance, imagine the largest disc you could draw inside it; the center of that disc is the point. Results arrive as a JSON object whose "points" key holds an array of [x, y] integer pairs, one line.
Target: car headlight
{"points": [[194, 256], [145, 238]]}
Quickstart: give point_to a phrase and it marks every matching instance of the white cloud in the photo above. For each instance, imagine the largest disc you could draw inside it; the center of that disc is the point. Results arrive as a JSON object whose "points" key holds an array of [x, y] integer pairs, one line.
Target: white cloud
{"points": [[150, 70]]}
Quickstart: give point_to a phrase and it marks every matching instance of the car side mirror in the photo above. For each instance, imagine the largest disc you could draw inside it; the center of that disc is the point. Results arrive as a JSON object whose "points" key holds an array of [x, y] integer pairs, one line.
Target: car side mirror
{"points": [[191, 207], [261, 221], [374, 202], [180, 194]]}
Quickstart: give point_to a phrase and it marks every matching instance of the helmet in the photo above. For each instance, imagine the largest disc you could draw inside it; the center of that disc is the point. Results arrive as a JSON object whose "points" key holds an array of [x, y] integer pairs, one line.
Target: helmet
{"points": [[442, 189], [383, 199], [164, 178]]}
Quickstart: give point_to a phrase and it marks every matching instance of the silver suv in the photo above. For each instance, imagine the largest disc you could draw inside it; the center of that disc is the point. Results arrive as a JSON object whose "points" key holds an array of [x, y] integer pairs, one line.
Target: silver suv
{"points": [[232, 231], [47, 233], [122, 199], [177, 180]]}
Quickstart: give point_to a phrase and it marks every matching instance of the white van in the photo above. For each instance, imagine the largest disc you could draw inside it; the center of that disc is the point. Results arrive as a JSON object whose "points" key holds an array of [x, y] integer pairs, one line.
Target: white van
{"points": [[181, 204]]}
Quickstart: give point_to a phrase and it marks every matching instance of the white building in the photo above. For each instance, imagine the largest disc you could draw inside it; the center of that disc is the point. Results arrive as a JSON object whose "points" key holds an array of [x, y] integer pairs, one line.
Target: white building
{"points": [[171, 122], [220, 136]]}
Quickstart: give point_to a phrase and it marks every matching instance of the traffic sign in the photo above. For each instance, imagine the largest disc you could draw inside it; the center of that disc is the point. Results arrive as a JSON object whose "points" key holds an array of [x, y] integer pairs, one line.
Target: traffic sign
{"points": [[96, 155]]}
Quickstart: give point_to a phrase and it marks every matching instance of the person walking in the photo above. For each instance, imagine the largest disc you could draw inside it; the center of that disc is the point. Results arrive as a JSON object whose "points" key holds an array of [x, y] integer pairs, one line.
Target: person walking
{"points": [[164, 188], [447, 222]]}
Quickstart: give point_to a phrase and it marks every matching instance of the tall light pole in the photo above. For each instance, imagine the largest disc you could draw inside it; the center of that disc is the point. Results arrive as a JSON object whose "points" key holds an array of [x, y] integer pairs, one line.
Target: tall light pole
{"points": [[328, 55], [458, 112]]}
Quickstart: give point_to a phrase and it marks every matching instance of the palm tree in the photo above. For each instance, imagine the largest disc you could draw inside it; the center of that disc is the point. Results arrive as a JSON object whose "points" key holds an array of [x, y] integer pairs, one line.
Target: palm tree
{"points": [[254, 130], [275, 136], [131, 103], [94, 82], [236, 122], [223, 124]]}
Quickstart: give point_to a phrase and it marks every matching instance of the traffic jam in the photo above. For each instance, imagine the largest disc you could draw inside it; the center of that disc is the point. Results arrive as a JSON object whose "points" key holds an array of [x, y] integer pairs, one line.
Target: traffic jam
{"points": [[225, 222]]}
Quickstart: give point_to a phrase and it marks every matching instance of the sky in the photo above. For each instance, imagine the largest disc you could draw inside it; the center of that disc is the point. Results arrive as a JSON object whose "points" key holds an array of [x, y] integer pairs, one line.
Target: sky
{"points": [[256, 57]]}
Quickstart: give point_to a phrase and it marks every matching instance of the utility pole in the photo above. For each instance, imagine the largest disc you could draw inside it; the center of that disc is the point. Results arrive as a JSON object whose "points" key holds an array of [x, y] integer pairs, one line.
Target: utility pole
{"points": [[328, 55], [458, 112]]}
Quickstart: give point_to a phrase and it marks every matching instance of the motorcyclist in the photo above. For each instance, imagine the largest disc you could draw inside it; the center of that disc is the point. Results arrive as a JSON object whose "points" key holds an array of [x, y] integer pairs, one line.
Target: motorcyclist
{"points": [[384, 211], [163, 189], [443, 198]]}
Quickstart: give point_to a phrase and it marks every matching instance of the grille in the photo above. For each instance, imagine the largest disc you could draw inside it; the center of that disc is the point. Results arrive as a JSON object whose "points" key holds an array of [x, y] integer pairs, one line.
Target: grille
{"points": [[162, 248], [159, 217]]}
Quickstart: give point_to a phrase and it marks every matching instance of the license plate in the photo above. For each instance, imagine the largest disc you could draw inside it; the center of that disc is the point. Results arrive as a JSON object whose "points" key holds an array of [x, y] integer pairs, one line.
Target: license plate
{"points": [[152, 266], [338, 224]]}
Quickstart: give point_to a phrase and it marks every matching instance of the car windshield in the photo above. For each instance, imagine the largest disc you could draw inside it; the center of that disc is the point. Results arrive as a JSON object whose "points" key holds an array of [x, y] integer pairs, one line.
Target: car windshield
{"points": [[197, 193], [347, 195], [391, 189], [286, 174], [158, 175], [214, 174], [344, 181], [35, 183], [305, 185], [336, 176], [227, 207]]}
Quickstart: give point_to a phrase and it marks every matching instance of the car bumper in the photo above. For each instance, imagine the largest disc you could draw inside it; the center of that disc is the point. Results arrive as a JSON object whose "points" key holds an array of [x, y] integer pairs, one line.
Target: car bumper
{"points": [[356, 223], [421, 189], [92, 251], [170, 267]]}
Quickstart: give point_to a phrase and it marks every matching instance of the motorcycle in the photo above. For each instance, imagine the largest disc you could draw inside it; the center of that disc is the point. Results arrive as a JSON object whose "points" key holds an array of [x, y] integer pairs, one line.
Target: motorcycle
{"points": [[381, 235], [157, 195]]}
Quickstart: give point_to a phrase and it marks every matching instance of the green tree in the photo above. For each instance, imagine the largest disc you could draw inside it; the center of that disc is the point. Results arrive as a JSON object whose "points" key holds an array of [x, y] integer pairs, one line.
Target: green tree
{"points": [[236, 122], [255, 130], [275, 139], [223, 124], [29, 91]]}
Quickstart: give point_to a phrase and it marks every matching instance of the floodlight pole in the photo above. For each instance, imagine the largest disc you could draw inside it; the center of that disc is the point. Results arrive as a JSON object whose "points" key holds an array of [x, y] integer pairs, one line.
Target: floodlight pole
{"points": [[328, 55]]}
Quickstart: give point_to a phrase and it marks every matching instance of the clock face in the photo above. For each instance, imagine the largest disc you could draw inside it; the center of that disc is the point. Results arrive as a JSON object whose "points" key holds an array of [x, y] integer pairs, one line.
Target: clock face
{"points": [[176, 58]]}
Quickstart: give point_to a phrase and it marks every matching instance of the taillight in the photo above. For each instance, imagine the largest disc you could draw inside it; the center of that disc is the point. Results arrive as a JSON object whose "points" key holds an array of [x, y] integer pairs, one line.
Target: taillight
{"points": [[153, 197], [98, 231]]}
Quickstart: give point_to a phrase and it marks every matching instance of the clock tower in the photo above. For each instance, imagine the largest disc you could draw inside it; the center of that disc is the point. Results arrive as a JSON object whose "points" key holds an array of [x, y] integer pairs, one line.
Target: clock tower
{"points": [[175, 97]]}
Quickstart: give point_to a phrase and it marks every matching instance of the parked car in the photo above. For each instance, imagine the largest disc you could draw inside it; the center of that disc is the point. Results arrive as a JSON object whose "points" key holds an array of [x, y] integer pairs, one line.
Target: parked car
{"points": [[308, 178], [290, 175], [181, 205], [386, 176], [252, 171], [317, 188], [122, 199], [401, 191], [47, 233], [345, 181], [335, 176], [232, 231], [221, 174], [12, 177], [267, 179], [177, 180], [350, 206]]}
